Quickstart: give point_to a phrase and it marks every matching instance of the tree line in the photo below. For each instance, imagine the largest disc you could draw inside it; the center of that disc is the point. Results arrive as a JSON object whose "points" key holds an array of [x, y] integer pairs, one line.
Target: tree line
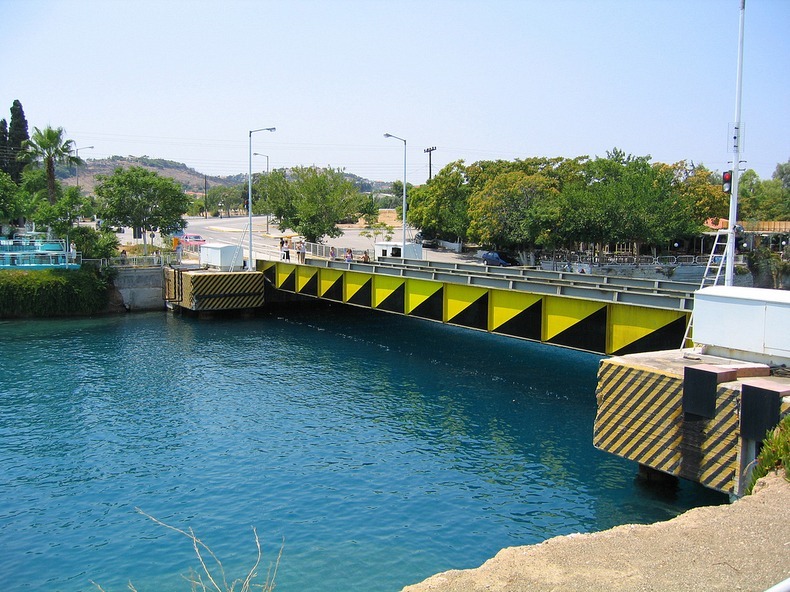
{"points": [[560, 203], [523, 204]]}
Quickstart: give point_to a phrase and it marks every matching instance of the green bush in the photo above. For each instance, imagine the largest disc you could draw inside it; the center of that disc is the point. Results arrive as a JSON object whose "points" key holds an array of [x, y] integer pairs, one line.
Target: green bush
{"points": [[52, 292], [94, 244], [774, 454]]}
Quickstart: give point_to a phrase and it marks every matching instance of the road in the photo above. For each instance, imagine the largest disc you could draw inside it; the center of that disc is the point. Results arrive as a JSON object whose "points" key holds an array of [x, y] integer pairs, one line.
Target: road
{"points": [[265, 241]]}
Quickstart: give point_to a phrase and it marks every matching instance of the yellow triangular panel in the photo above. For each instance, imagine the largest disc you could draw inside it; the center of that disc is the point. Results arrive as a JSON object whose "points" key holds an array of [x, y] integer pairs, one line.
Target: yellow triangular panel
{"points": [[418, 291], [284, 271], [458, 298], [384, 286], [505, 305], [327, 278], [631, 323], [353, 282], [561, 313], [303, 275]]}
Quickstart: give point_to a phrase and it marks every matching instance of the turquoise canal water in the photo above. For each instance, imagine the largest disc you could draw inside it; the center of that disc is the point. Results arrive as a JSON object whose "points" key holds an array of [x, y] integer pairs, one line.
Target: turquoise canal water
{"points": [[375, 450]]}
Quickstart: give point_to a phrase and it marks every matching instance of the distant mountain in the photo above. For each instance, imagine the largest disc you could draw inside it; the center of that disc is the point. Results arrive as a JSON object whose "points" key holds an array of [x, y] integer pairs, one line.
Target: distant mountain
{"points": [[190, 179]]}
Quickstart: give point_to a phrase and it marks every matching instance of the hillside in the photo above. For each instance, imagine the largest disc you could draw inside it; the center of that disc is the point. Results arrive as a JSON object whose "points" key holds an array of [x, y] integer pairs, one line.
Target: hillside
{"points": [[189, 179]]}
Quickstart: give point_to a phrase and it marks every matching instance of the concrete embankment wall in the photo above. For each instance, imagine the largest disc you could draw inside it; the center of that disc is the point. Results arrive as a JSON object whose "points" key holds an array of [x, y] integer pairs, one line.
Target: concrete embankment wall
{"points": [[140, 288]]}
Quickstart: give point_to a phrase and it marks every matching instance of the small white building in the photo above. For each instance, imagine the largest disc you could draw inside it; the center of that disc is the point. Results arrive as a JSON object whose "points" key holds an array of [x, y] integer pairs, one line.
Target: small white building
{"points": [[394, 249], [223, 257], [743, 323]]}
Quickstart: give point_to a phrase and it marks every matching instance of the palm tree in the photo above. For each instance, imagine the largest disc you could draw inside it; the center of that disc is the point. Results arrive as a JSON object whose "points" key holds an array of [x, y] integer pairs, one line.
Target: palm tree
{"points": [[50, 147]]}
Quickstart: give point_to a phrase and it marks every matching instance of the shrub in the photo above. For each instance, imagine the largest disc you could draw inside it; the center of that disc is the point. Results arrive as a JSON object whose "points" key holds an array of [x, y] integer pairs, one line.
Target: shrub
{"points": [[94, 244], [52, 292], [774, 454]]}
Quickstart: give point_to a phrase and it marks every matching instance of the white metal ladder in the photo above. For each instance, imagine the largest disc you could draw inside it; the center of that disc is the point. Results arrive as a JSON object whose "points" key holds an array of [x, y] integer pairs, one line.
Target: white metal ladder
{"points": [[716, 262]]}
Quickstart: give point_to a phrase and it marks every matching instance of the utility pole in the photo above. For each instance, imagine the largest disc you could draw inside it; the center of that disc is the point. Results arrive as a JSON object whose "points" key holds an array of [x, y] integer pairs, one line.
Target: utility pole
{"points": [[429, 150], [737, 146]]}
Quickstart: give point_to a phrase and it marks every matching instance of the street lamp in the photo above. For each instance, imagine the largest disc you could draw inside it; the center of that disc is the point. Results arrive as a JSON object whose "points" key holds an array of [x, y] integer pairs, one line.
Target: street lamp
{"points": [[77, 166], [403, 254], [249, 194], [267, 160]]}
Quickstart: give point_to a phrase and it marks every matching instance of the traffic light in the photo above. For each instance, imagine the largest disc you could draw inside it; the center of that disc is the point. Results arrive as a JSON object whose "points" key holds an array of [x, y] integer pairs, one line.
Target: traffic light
{"points": [[726, 181]]}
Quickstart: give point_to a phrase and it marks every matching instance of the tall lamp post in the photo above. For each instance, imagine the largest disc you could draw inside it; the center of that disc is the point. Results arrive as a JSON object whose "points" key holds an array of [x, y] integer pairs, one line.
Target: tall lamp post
{"points": [[77, 169], [267, 174], [76, 166], [249, 194], [403, 254]]}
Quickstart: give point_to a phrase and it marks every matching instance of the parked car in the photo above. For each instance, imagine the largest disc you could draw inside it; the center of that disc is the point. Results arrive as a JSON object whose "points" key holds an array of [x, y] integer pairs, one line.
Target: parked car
{"points": [[428, 243], [189, 240], [498, 258]]}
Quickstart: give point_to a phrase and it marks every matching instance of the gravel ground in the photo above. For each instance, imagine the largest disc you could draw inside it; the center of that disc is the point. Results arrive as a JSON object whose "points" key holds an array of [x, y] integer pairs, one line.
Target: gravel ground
{"points": [[741, 546]]}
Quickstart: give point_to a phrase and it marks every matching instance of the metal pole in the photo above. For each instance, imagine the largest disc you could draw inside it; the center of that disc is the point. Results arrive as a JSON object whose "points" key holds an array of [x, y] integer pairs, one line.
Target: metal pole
{"points": [[429, 150], [249, 192], [77, 166], [403, 253], [737, 142]]}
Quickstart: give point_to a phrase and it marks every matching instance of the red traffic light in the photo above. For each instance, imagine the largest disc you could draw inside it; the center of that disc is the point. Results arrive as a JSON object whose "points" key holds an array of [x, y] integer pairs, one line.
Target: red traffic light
{"points": [[726, 181]]}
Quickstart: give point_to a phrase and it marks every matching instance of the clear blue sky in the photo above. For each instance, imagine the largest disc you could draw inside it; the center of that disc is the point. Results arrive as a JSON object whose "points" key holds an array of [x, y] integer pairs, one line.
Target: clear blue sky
{"points": [[488, 79]]}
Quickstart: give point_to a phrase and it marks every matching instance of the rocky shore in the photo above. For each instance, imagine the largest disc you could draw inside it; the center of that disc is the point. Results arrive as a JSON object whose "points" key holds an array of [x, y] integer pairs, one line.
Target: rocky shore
{"points": [[742, 546]]}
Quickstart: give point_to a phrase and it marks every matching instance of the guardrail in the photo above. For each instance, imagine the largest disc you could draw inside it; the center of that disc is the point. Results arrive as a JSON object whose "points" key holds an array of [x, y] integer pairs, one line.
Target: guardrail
{"points": [[662, 260]]}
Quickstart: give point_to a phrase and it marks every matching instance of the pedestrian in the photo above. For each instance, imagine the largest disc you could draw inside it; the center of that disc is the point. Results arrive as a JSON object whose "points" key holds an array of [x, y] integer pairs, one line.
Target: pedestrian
{"points": [[349, 256], [73, 251], [123, 256], [365, 257], [302, 252], [286, 251], [332, 253]]}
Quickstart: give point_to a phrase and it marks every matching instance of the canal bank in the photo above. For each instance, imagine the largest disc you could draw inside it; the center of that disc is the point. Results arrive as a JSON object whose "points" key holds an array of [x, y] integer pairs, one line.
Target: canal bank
{"points": [[743, 546]]}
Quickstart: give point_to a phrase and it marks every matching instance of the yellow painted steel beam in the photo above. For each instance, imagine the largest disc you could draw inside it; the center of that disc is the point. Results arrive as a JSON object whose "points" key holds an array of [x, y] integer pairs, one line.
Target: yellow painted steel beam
{"points": [[387, 288], [329, 279], [419, 293], [628, 324], [459, 298], [304, 276], [356, 288], [593, 325]]}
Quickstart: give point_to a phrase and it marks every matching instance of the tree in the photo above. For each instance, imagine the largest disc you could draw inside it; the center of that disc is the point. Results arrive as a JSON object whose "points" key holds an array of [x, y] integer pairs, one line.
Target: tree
{"points": [[5, 151], [32, 192], [782, 173], [138, 198], [49, 147], [765, 200], [17, 135], [313, 202], [61, 215], [397, 192], [440, 207], [9, 205], [94, 244], [500, 212]]}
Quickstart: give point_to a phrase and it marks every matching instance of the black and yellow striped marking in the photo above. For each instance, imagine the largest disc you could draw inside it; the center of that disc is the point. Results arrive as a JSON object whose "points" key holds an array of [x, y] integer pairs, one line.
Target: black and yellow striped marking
{"points": [[592, 325], [216, 291], [640, 417]]}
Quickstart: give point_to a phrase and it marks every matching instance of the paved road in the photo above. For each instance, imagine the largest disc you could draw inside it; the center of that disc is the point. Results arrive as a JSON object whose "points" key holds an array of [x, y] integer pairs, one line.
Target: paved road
{"points": [[266, 238]]}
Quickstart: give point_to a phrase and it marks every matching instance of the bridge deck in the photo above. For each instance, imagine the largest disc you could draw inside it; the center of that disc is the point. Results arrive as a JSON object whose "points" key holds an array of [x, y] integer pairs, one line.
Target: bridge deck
{"points": [[597, 313]]}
